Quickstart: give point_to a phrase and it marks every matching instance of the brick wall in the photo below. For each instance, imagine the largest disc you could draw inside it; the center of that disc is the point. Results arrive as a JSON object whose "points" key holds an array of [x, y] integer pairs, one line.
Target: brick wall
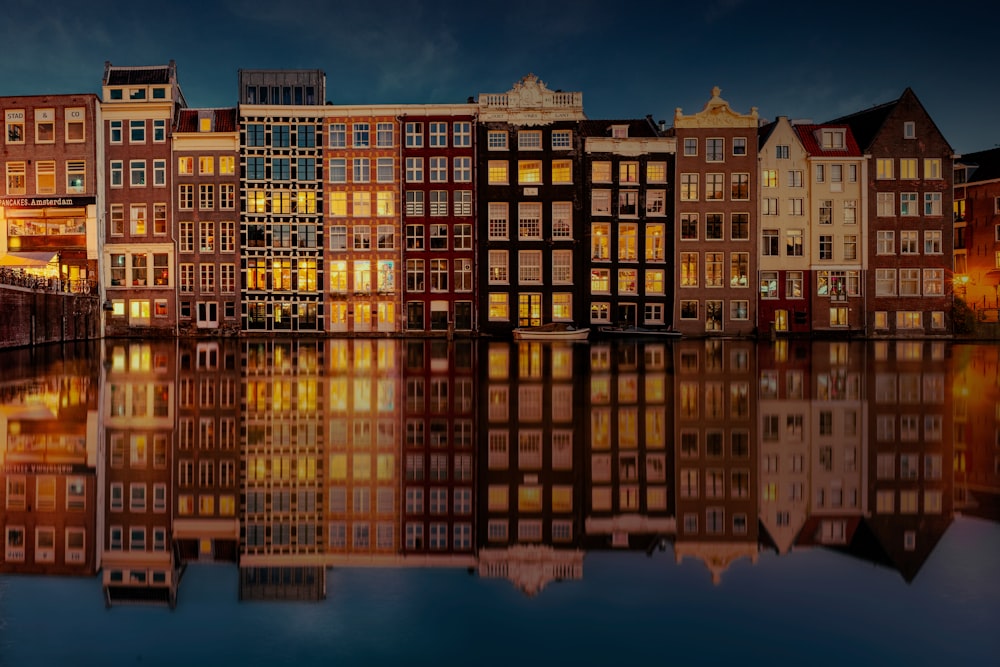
{"points": [[32, 317]]}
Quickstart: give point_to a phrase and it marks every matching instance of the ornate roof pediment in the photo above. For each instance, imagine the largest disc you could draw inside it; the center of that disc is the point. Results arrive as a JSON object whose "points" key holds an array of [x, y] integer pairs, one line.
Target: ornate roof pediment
{"points": [[717, 113]]}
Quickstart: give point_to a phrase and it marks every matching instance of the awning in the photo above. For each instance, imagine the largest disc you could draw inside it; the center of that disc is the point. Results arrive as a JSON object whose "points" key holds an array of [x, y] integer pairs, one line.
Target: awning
{"points": [[28, 259]]}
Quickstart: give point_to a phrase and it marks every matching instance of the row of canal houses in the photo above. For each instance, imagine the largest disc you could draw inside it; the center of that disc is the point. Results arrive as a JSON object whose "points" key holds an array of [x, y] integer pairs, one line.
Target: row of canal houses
{"points": [[287, 213]]}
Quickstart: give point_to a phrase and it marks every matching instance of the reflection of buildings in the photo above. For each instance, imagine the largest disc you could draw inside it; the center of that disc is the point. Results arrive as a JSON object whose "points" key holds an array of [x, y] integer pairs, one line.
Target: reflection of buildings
{"points": [[281, 444], [910, 434], [716, 452], [976, 458], [531, 482], [207, 459], [630, 501], [48, 218], [836, 438], [50, 467], [439, 410], [785, 423], [138, 409]]}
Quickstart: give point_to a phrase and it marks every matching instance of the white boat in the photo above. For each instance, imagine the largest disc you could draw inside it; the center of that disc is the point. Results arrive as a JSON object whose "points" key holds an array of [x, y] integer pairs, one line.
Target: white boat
{"points": [[553, 331]]}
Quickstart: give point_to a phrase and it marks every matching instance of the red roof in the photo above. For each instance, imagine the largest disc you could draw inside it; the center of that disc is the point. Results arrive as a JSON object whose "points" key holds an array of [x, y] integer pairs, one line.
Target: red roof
{"points": [[225, 119], [809, 136]]}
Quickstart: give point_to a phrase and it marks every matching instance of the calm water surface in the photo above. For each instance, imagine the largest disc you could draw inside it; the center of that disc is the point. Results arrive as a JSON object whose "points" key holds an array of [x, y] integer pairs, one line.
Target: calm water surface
{"points": [[385, 501]]}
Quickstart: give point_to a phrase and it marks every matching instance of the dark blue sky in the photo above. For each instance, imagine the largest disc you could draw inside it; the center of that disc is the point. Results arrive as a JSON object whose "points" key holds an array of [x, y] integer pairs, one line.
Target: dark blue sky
{"points": [[799, 59]]}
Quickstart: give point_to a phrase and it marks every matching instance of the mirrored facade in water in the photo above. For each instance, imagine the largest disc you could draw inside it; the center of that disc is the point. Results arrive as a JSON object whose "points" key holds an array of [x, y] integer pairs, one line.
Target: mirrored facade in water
{"points": [[133, 461]]}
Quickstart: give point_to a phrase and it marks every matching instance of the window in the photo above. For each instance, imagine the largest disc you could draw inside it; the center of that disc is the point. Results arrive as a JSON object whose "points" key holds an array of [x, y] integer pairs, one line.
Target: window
{"points": [[439, 202], [361, 135], [932, 168], [909, 282], [383, 135], [713, 187], [562, 139], [713, 227], [932, 203], [739, 145], [529, 171], [825, 247], [781, 152], [689, 187], [885, 282], [45, 177], [562, 220], [438, 135], [793, 285], [462, 134], [16, 178], [793, 243], [497, 172], [462, 170], [498, 267], [850, 247], [15, 127], [562, 171], [909, 130], [884, 168], [933, 282], [820, 173], [909, 243], [714, 150], [740, 190], [462, 204], [932, 242], [689, 269], [908, 204], [885, 242], [770, 243], [689, 226], [137, 131], [769, 178], [739, 227], [496, 140]]}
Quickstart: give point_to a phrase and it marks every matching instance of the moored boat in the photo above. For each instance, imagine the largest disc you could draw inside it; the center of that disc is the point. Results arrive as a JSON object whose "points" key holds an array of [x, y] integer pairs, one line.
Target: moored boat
{"points": [[553, 331], [638, 332]]}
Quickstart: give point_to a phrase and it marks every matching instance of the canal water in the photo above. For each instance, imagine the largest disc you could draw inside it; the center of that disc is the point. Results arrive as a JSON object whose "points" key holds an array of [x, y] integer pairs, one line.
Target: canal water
{"points": [[380, 501]]}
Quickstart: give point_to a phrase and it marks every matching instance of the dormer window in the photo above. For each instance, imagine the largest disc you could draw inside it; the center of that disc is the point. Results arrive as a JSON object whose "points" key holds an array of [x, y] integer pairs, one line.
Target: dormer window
{"points": [[832, 139], [115, 93], [619, 131], [159, 93], [205, 124], [137, 94]]}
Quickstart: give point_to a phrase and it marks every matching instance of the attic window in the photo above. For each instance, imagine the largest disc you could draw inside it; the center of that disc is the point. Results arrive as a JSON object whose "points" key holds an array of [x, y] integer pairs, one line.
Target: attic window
{"points": [[909, 130], [137, 94], [833, 139], [115, 93], [619, 131], [159, 93], [205, 124]]}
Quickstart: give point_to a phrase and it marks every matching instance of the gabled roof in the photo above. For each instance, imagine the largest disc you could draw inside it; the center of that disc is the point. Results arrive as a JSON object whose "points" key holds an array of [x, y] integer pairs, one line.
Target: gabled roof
{"points": [[985, 165], [866, 124], [224, 119], [637, 127], [764, 133], [808, 136]]}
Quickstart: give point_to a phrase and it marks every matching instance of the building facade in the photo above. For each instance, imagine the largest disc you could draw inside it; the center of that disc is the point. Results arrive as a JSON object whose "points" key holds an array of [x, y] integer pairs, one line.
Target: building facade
{"points": [[139, 262], [716, 211], [530, 222], [628, 172], [282, 231], [53, 181], [910, 239], [438, 153], [205, 155], [977, 230]]}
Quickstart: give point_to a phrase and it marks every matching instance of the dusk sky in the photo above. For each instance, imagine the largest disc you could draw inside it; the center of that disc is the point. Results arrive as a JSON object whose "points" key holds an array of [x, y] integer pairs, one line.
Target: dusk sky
{"points": [[804, 60]]}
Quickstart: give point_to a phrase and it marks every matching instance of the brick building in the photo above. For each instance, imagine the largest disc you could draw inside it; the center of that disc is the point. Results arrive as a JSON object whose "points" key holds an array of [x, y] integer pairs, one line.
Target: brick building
{"points": [[52, 187]]}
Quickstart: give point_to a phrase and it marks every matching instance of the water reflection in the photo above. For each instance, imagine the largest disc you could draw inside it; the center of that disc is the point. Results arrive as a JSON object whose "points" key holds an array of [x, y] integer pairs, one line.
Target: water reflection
{"points": [[131, 460]]}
